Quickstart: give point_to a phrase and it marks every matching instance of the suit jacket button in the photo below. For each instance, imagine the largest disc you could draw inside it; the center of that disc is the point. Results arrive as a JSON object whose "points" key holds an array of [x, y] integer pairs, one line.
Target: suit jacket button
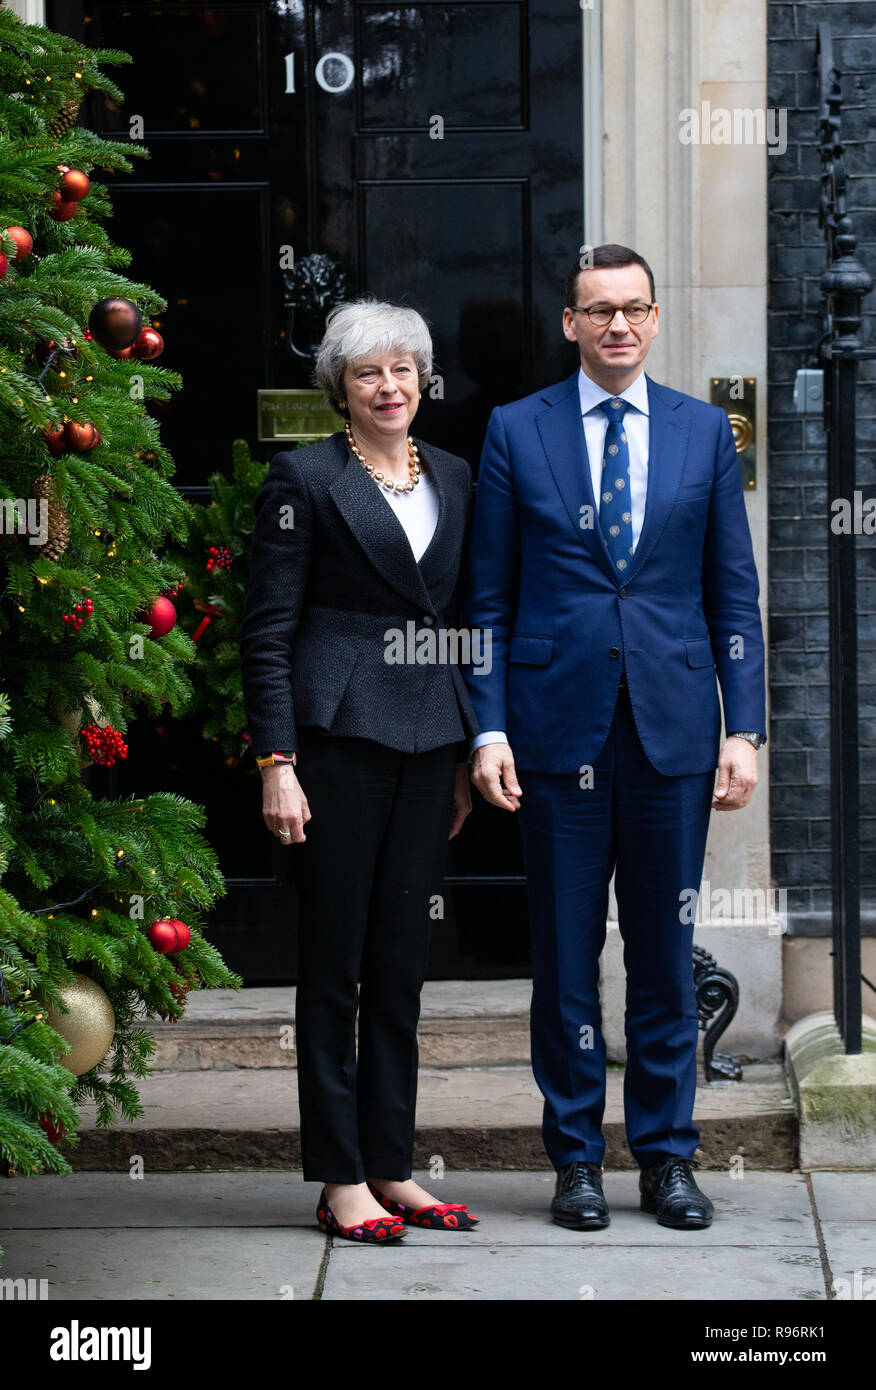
{"points": [[428, 619], [613, 652], [621, 593]]}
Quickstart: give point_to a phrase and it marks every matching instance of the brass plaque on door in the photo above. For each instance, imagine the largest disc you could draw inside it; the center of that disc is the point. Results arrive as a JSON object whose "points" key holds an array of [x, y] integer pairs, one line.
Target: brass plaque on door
{"points": [[738, 396], [298, 416]]}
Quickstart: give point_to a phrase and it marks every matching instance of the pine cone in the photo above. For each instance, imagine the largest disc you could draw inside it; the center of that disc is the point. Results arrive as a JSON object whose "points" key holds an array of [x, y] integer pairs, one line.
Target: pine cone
{"points": [[58, 532], [66, 117]]}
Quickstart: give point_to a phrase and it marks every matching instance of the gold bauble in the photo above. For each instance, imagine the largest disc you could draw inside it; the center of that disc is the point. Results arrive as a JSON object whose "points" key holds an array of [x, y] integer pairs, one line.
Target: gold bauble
{"points": [[89, 1026], [71, 720]]}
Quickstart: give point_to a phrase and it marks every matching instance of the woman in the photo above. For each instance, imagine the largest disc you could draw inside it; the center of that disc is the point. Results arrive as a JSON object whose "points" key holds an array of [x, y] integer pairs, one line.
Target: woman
{"points": [[358, 543]]}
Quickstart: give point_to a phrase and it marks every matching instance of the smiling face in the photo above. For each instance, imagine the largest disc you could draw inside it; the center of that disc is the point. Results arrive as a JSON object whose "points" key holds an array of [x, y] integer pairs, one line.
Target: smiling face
{"points": [[612, 355], [383, 392]]}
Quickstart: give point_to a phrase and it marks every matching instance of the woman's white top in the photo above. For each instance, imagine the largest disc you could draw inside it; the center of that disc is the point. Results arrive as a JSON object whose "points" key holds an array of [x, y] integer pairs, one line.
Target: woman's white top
{"points": [[417, 511]]}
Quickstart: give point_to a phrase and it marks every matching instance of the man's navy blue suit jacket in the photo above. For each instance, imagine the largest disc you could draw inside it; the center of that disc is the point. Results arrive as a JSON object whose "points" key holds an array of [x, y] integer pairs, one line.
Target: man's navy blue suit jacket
{"points": [[563, 623]]}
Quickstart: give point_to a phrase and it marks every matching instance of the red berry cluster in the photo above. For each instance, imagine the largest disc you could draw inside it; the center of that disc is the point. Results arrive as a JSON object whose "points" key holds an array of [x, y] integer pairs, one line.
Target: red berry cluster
{"points": [[104, 745], [220, 556], [80, 612], [173, 590]]}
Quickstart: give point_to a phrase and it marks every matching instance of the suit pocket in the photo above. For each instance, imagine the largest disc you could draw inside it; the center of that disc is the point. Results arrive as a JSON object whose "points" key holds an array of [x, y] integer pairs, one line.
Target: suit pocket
{"points": [[531, 651], [699, 652]]}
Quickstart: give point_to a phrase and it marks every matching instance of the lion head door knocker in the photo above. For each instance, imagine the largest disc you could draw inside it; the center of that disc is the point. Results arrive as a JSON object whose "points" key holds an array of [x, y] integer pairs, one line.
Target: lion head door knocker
{"points": [[311, 287]]}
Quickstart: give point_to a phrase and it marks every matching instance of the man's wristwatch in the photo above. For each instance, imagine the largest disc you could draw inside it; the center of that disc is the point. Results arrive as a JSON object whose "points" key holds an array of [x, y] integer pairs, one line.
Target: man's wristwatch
{"points": [[756, 740]]}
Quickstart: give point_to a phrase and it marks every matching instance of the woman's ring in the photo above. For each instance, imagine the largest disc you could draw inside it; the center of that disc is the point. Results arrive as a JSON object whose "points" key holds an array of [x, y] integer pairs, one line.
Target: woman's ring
{"points": [[285, 834]]}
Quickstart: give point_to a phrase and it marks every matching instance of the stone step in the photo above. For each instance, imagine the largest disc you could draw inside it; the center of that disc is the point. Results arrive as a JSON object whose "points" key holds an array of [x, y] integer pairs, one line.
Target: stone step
{"points": [[462, 1023], [486, 1117]]}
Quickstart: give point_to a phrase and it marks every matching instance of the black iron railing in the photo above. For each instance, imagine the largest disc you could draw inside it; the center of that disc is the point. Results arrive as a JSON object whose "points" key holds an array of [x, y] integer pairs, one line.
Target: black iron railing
{"points": [[843, 286]]}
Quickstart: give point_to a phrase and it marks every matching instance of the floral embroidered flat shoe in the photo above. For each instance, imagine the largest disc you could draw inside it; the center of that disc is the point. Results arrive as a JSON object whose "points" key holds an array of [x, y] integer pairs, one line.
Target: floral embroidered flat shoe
{"points": [[443, 1216], [375, 1230]]}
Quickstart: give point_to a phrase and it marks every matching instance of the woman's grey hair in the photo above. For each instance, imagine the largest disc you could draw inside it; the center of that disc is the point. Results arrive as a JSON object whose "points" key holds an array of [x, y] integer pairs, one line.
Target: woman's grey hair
{"points": [[360, 327]]}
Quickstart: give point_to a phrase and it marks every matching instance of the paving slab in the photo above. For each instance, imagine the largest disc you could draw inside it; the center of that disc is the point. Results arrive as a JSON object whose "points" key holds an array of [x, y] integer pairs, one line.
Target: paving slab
{"points": [[845, 1196], [189, 1235], [851, 1254], [592, 1272], [121, 1263], [91, 1200], [846, 1205], [762, 1209]]}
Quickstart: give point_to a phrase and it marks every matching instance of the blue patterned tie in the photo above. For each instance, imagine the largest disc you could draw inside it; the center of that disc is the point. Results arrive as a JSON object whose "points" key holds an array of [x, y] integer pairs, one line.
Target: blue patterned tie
{"points": [[615, 516]]}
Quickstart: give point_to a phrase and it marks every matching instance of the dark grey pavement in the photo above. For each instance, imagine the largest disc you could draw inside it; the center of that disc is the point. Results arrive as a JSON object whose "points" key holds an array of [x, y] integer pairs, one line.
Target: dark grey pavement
{"points": [[251, 1236]]}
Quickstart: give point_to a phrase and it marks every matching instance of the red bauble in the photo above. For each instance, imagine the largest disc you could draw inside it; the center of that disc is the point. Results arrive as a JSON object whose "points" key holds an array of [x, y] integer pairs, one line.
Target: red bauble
{"points": [[54, 1132], [163, 936], [161, 617], [81, 438], [149, 345], [56, 441], [74, 186], [115, 323], [125, 352], [183, 935], [45, 349], [4, 264], [62, 211], [23, 240]]}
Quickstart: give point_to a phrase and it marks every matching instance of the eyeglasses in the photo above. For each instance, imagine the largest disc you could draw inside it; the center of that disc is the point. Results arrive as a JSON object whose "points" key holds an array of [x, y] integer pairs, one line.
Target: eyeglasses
{"points": [[603, 314]]}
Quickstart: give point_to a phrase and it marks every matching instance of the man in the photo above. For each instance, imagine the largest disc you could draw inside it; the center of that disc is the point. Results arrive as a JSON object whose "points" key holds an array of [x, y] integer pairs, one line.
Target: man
{"points": [[611, 562]]}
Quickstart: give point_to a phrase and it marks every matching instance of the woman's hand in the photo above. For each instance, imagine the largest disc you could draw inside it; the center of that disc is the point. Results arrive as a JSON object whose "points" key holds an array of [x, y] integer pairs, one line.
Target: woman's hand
{"points": [[284, 805], [461, 799]]}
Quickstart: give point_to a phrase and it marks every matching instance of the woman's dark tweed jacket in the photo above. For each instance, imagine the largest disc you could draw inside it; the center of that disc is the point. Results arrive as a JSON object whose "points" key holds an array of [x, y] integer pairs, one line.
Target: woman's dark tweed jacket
{"points": [[331, 572]]}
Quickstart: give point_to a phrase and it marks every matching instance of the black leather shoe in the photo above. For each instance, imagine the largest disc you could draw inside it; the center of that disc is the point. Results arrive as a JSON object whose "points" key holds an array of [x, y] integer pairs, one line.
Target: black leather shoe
{"points": [[579, 1202], [669, 1192]]}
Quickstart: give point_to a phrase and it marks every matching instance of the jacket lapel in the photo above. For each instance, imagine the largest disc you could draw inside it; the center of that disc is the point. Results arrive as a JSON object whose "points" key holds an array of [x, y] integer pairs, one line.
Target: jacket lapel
{"points": [[378, 529], [668, 433], [447, 539], [562, 437]]}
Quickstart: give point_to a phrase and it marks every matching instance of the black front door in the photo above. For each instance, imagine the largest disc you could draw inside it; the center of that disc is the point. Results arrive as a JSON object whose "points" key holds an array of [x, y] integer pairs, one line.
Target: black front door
{"points": [[433, 150]]}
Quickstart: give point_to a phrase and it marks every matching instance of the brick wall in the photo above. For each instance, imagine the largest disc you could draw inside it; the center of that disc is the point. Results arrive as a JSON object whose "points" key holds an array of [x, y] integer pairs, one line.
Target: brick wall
{"points": [[798, 502]]}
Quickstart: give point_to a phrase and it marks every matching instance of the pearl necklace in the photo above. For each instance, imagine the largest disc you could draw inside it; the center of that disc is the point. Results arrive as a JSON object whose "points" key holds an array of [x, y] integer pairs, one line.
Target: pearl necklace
{"points": [[413, 465]]}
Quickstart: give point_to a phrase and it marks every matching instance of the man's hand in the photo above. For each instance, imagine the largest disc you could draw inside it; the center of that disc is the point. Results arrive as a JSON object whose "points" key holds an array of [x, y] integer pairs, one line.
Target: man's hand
{"points": [[284, 805], [492, 772], [737, 775], [461, 800]]}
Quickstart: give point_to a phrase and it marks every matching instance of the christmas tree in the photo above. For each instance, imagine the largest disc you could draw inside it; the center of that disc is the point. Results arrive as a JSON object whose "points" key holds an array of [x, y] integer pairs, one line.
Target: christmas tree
{"points": [[101, 899], [215, 561]]}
